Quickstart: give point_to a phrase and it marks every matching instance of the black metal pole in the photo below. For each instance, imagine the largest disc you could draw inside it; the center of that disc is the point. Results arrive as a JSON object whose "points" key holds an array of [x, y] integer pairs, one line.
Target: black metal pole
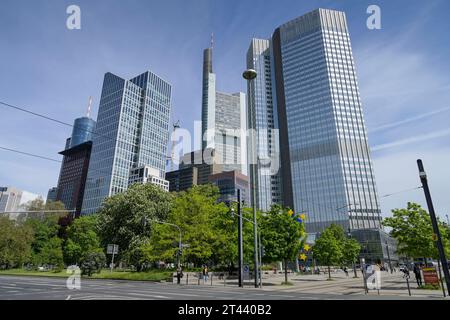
{"points": [[440, 247], [240, 245], [389, 257]]}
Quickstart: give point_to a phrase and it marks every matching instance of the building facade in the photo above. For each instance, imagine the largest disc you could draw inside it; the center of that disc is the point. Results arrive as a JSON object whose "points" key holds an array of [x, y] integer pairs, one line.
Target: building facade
{"points": [[145, 174], [262, 118], [327, 170], [223, 121], [10, 199], [228, 183], [51, 194], [83, 130], [132, 131], [73, 175]]}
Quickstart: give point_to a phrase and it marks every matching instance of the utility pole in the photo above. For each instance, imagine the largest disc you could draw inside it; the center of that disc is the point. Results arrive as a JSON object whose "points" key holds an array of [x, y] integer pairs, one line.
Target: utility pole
{"points": [[440, 247], [389, 257], [240, 244], [250, 75]]}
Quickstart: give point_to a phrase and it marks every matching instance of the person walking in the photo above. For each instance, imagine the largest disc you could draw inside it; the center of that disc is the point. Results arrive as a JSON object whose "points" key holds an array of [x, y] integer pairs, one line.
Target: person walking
{"points": [[416, 271], [205, 273], [179, 274], [346, 271]]}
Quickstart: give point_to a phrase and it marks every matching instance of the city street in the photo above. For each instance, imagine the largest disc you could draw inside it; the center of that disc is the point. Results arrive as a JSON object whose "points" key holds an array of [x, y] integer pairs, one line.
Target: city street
{"points": [[304, 288]]}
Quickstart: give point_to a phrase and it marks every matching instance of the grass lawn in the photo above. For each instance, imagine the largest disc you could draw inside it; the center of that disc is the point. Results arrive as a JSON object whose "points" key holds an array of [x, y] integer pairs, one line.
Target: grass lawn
{"points": [[105, 274]]}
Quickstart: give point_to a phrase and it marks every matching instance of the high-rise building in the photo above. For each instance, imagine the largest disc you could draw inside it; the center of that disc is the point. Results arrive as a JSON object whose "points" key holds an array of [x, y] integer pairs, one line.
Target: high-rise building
{"points": [[10, 199], [326, 165], [132, 131], [51, 194], [83, 129], [73, 175], [223, 121], [262, 117], [307, 87]]}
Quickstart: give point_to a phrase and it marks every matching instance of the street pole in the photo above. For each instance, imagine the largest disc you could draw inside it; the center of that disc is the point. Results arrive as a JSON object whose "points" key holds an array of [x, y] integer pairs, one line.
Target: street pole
{"points": [[260, 259], [389, 257], [440, 247], [240, 245], [249, 75]]}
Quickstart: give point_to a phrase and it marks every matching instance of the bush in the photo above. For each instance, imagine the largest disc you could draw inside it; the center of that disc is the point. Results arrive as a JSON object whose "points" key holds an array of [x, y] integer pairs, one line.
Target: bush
{"points": [[92, 262]]}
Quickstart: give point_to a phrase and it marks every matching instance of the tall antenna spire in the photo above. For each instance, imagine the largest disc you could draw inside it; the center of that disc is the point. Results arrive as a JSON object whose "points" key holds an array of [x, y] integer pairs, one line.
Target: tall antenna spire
{"points": [[89, 107], [212, 40]]}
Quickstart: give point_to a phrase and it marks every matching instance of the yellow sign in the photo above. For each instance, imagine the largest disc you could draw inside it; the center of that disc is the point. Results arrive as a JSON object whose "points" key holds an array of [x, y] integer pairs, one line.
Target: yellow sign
{"points": [[306, 247], [303, 216], [302, 257], [290, 212]]}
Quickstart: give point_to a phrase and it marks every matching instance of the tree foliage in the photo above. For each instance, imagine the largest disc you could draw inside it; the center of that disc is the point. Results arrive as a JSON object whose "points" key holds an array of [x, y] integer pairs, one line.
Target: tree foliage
{"points": [[81, 239], [121, 219], [92, 262], [328, 250], [281, 236], [15, 243], [412, 228]]}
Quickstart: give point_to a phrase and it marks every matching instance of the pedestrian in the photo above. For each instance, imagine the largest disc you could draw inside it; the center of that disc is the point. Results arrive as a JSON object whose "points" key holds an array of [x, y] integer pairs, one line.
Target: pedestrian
{"points": [[416, 271], [205, 273], [346, 271], [179, 274]]}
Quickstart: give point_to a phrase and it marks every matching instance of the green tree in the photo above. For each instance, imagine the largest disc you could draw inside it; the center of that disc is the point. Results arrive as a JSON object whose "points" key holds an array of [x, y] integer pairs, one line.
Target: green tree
{"points": [[15, 243], [351, 250], [327, 249], [281, 236], [412, 229], [92, 263], [120, 220], [51, 254], [195, 211], [81, 239]]}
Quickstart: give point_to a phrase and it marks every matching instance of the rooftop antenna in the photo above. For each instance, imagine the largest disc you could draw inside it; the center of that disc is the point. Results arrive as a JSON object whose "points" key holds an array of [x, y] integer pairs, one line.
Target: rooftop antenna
{"points": [[212, 40], [89, 107]]}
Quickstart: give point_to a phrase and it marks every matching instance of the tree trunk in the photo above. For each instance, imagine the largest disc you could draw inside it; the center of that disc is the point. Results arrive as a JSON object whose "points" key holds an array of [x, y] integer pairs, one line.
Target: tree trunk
{"points": [[329, 273], [285, 272]]}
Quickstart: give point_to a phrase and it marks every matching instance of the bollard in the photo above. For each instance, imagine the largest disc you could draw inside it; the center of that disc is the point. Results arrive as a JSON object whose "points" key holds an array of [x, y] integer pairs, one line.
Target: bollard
{"points": [[211, 278], [187, 278], [224, 279], [407, 283]]}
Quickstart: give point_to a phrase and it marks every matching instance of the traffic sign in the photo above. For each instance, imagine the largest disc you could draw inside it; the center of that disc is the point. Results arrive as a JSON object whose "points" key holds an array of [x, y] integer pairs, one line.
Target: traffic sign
{"points": [[112, 249]]}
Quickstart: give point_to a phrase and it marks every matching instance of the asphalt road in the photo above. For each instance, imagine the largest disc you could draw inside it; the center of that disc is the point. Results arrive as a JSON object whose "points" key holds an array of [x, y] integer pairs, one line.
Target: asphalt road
{"points": [[42, 288]]}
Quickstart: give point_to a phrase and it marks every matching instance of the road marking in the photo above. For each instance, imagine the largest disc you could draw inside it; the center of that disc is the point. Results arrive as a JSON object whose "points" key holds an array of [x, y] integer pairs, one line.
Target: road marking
{"points": [[68, 297]]}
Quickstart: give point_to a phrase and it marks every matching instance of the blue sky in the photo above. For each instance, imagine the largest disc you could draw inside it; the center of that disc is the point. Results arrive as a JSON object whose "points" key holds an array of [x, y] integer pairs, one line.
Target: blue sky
{"points": [[403, 72]]}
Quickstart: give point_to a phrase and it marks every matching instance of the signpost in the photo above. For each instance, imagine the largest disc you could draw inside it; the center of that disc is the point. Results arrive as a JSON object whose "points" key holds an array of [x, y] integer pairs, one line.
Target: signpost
{"points": [[112, 249]]}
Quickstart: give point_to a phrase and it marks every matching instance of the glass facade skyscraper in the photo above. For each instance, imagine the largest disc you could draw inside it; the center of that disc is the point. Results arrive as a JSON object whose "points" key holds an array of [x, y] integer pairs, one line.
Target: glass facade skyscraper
{"points": [[223, 121], [262, 117], [83, 129], [132, 131], [326, 165]]}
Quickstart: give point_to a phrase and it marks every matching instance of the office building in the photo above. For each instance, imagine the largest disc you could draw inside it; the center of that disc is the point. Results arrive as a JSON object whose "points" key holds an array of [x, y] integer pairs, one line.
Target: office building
{"points": [[83, 130], [228, 183], [10, 199], [194, 169], [145, 174], [132, 131], [73, 175], [223, 121], [262, 118], [326, 168], [51, 195]]}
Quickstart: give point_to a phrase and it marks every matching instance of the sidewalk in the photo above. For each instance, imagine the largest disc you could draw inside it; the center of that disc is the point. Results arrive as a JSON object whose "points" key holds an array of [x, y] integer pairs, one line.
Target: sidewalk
{"points": [[391, 284]]}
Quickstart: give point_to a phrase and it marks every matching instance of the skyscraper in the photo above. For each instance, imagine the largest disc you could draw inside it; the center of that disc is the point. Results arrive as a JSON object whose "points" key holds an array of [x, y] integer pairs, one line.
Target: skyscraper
{"points": [[307, 87], [327, 170], [262, 117], [132, 131], [10, 199], [223, 121]]}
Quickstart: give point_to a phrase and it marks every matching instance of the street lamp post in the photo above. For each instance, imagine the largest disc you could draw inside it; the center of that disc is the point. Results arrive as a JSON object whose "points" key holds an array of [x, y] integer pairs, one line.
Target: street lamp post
{"points": [[250, 75], [240, 241], [440, 247], [389, 257]]}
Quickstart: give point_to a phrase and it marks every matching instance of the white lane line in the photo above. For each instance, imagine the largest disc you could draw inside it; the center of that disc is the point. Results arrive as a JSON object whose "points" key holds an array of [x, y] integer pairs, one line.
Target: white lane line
{"points": [[68, 297]]}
